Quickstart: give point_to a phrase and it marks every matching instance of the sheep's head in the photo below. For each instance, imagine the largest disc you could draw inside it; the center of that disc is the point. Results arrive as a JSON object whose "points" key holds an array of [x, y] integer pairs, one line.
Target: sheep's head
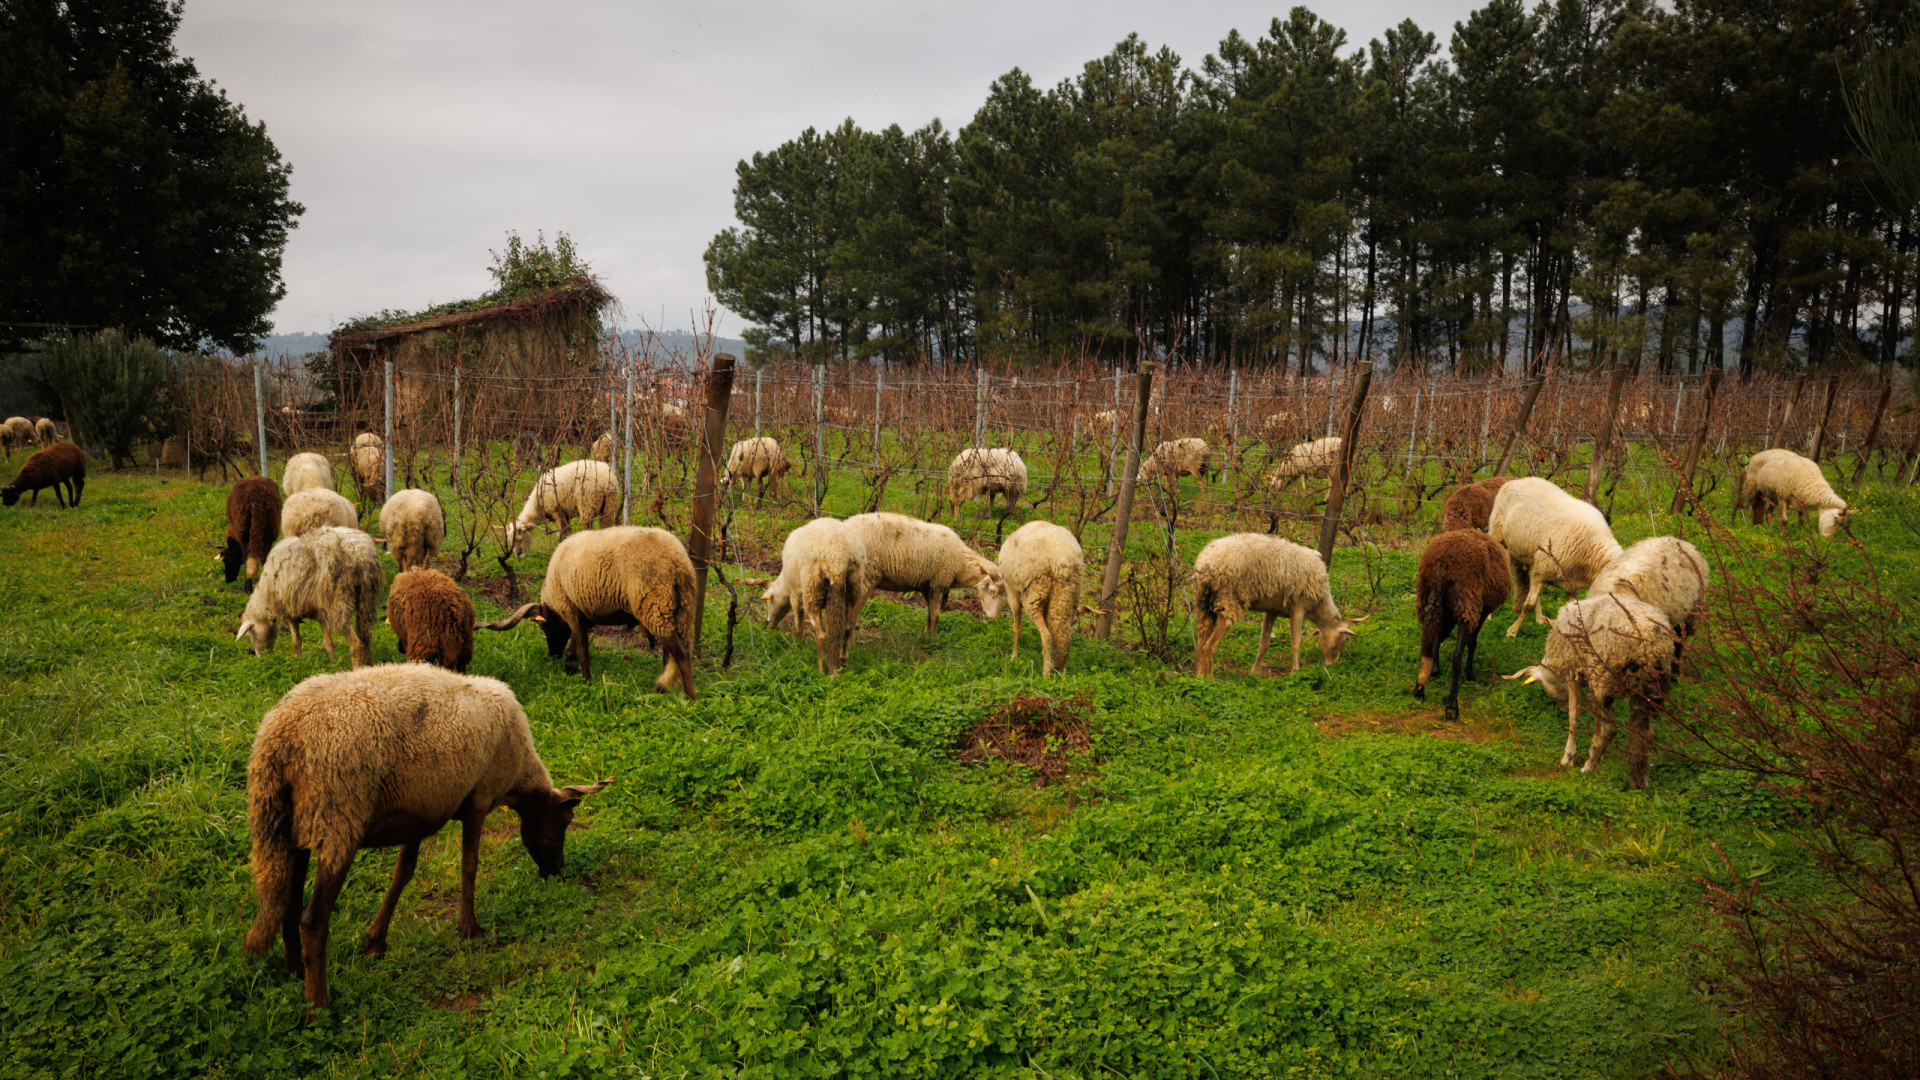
{"points": [[10, 494], [778, 602], [519, 538], [1333, 639], [556, 629], [991, 587], [258, 633], [1830, 520], [233, 557], [1549, 680], [544, 817]]}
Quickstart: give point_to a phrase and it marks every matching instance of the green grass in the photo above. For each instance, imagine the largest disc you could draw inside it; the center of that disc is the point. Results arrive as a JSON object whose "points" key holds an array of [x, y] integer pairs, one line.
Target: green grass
{"points": [[1274, 876]]}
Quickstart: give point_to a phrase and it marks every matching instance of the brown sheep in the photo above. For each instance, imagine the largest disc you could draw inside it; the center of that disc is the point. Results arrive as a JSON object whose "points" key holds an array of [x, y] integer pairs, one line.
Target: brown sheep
{"points": [[1471, 504], [433, 618], [1463, 578], [385, 757], [253, 525], [57, 465]]}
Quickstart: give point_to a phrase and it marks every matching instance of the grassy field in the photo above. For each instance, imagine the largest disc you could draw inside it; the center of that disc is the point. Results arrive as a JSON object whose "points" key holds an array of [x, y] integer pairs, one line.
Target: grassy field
{"points": [[1272, 876]]}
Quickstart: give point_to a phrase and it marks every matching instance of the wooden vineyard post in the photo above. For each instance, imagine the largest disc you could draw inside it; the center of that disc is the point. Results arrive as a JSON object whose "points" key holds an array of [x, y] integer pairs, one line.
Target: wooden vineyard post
{"points": [[1233, 426], [626, 499], [1683, 492], [1343, 465], [1519, 427], [1119, 379], [878, 375], [980, 409], [1777, 436], [819, 439], [1117, 547], [1873, 432], [259, 418], [1819, 440], [1603, 439], [456, 426], [386, 449], [713, 433]]}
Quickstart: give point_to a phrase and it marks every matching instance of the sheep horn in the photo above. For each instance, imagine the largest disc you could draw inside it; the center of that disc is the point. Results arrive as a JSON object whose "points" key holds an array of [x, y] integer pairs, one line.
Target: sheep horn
{"points": [[242, 632], [576, 792], [512, 620], [1361, 619]]}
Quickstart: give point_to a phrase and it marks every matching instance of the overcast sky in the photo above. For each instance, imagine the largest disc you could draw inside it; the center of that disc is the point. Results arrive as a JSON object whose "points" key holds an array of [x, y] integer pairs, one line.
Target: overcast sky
{"points": [[420, 133]]}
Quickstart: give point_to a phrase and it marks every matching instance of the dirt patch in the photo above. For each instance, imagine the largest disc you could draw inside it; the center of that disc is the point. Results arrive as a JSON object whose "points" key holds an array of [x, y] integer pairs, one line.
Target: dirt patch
{"points": [[464, 1003], [494, 588], [1048, 735], [1423, 722]]}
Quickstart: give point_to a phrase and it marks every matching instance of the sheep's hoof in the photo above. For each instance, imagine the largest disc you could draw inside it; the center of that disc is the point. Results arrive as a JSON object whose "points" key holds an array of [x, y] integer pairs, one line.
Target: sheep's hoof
{"points": [[471, 930], [1419, 693], [1566, 760], [374, 947], [1453, 713], [1588, 767]]}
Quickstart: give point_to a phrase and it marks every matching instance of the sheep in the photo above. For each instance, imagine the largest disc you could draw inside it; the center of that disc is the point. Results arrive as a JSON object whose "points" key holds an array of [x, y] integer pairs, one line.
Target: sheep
{"points": [[18, 431], [368, 459], [626, 575], [432, 617], [823, 575], [1176, 458], [583, 489], [976, 472], [526, 448], [1785, 479], [414, 525], [306, 471], [314, 508], [1616, 646], [385, 757], [62, 467], [1107, 418], [44, 432], [907, 555], [253, 524], [1470, 504], [755, 459], [1664, 571], [1252, 572], [1041, 564], [1463, 578], [331, 575], [602, 449], [1549, 536], [1314, 458]]}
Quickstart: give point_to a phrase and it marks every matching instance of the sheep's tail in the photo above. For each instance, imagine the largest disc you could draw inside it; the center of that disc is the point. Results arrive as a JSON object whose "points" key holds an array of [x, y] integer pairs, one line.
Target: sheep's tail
{"points": [[260, 526], [270, 820]]}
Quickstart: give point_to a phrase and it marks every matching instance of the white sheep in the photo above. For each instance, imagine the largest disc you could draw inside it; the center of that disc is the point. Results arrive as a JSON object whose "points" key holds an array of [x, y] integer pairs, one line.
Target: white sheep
{"points": [[1253, 572], [44, 432], [16, 432], [1615, 646], [602, 449], [908, 555], [582, 489], [1664, 571], [316, 508], [993, 471], [331, 575], [1042, 565], [306, 471], [368, 459], [1787, 480], [1106, 418], [385, 757], [1315, 458], [1176, 458], [823, 572], [1549, 536], [755, 459], [624, 575], [415, 526]]}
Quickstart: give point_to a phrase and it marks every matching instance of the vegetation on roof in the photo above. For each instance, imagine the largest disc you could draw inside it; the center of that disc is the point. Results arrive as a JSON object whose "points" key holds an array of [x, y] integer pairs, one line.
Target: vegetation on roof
{"points": [[520, 271]]}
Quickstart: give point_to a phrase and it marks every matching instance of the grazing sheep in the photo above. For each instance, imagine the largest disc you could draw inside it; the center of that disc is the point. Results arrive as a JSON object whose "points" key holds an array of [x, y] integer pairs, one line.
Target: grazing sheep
{"points": [[1042, 564], [755, 459], [433, 618], [253, 524], [579, 489], [1787, 480], [1176, 458], [976, 472], [385, 757], [306, 471], [331, 575], [1251, 572], [17, 431], [1549, 536], [1616, 646], [315, 508], [526, 448], [44, 432], [1463, 578], [1664, 571], [673, 411], [62, 467], [908, 555], [602, 449], [1106, 418], [1314, 458], [414, 525], [823, 574], [368, 459], [1471, 504], [626, 575]]}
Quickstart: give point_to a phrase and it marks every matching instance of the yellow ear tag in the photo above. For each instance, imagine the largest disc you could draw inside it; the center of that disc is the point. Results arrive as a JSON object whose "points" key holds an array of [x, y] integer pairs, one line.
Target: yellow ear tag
{"points": [[1530, 679], [539, 618]]}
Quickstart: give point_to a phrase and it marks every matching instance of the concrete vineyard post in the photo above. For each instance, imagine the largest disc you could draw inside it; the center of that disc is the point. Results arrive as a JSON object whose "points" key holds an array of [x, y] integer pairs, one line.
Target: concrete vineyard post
{"points": [[259, 417], [386, 449]]}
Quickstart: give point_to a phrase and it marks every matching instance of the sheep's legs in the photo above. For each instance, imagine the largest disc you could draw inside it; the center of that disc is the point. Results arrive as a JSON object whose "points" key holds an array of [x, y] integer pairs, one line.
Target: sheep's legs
{"points": [[295, 632], [1266, 635], [376, 937], [1210, 639], [1043, 627], [1573, 722], [1453, 692], [1013, 606], [470, 831], [935, 601], [290, 913], [1299, 617], [326, 641], [1473, 645], [314, 925], [1532, 601], [1603, 729], [1639, 740]]}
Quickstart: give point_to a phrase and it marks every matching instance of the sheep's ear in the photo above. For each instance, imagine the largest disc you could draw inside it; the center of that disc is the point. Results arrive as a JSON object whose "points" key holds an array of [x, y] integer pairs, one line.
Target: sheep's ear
{"points": [[573, 793]]}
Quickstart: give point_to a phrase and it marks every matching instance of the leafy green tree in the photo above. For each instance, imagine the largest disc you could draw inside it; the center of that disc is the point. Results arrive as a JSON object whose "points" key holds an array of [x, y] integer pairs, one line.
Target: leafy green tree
{"points": [[110, 386]]}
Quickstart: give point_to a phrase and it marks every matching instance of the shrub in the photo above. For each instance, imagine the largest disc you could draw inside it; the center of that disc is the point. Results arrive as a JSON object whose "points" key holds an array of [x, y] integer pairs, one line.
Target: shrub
{"points": [[109, 385]]}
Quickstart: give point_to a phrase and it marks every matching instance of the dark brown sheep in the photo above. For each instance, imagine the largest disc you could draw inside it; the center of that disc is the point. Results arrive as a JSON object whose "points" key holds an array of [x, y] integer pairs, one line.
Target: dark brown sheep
{"points": [[253, 524], [433, 618], [1470, 505], [61, 464], [1463, 578]]}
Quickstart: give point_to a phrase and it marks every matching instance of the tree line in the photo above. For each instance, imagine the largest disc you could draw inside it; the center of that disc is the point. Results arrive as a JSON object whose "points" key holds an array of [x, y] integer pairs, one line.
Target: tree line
{"points": [[1590, 180]]}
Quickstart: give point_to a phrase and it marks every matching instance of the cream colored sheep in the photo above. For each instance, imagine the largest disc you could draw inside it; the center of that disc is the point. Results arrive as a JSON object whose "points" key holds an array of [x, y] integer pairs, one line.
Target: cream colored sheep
{"points": [[1787, 480], [823, 572], [908, 555], [44, 432], [1314, 458], [1042, 565], [579, 489], [1664, 571], [414, 525], [19, 433], [385, 757], [1106, 418], [995, 471], [306, 471], [1176, 458], [602, 448], [622, 575], [316, 508], [1549, 536], [755, 459], [368, 459], [1615, 646], [331, 575], [1253, 572]]}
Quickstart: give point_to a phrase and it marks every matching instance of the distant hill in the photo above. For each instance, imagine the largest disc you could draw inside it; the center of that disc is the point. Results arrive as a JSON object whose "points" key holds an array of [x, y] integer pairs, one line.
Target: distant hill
{"points": [[670, 343]]}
